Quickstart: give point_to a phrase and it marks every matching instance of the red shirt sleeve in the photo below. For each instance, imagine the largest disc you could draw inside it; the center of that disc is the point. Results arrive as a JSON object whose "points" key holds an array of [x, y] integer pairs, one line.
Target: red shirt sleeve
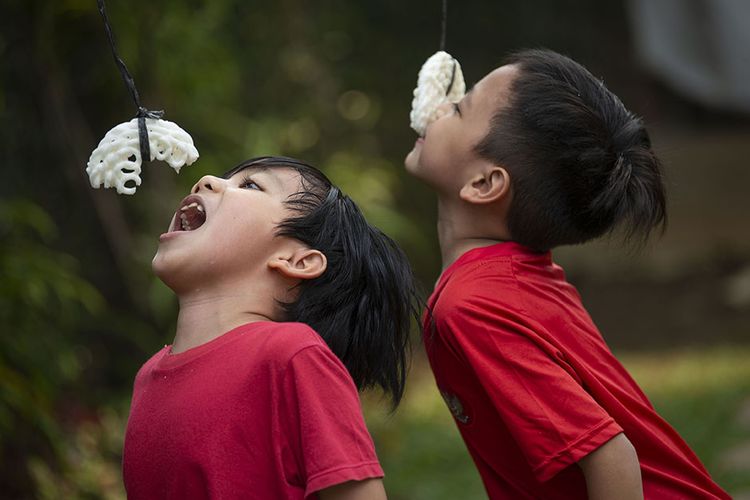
{"points": [[554, 420], [323, 417]]}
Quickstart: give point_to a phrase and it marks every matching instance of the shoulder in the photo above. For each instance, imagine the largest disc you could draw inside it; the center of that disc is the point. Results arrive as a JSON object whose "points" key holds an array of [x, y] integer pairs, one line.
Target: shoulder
{"points": [[149, 365], [282, 341], [488, 283], [491, 296], [306, 360], [520, 281], [154, 360]]}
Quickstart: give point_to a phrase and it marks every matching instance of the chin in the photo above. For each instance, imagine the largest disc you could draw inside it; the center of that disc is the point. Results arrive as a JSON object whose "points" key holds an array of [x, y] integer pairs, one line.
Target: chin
{"points": [[169, 270], [416, 168], [411, 162], [160, 268]]}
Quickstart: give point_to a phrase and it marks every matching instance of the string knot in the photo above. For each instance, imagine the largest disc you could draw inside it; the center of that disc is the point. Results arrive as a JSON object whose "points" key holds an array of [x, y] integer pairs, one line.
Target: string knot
{"points": [[144, 113]]}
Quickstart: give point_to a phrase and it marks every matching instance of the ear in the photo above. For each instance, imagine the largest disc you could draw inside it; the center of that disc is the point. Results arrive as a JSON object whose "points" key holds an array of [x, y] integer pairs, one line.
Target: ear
{"points": [[487, 186], [301, 263]]}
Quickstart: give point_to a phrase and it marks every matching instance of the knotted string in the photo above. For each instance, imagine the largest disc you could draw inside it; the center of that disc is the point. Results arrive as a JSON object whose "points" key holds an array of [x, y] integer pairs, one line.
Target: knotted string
{"points": [[142, 113]]}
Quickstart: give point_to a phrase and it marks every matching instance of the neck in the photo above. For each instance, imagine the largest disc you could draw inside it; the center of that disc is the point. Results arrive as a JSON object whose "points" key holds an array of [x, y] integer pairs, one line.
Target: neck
{"points": [[206, 316], [460, 231]]}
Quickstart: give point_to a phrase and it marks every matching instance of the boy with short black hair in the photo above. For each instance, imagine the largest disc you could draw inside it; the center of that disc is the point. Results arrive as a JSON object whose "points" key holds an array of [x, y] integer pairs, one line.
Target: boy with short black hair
{"points": [[289, 302], [541, 154]]}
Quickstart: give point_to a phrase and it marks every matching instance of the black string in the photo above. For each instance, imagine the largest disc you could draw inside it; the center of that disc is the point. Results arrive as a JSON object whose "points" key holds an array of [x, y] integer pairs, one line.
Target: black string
{"points": [[445, 25], [142, 113], [453, 77], [442, 44]]}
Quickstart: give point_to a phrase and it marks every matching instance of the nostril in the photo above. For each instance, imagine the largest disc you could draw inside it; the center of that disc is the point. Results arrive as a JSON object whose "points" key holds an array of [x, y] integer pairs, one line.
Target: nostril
{"points": [[204, 185]]}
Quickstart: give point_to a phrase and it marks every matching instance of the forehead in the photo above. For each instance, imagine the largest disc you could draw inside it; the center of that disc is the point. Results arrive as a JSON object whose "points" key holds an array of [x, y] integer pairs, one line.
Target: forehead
{"points": [[494, 88]]}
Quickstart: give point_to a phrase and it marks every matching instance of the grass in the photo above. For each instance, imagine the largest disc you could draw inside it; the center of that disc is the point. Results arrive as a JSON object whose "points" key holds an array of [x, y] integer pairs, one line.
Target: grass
{"points": [[703, 393]]}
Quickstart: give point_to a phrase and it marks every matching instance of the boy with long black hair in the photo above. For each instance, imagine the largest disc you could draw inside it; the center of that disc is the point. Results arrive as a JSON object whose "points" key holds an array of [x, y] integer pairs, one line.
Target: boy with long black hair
{"points": [[289, 302], [541, 154]]}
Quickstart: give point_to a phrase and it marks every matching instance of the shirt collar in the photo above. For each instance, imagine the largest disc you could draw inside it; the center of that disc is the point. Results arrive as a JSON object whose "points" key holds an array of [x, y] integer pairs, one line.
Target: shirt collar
{"points": [[502, 249]]}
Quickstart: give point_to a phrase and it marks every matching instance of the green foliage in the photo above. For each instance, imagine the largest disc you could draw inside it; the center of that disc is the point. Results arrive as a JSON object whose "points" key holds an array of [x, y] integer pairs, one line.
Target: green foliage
{"points": [[91, 454], [42, 302]]}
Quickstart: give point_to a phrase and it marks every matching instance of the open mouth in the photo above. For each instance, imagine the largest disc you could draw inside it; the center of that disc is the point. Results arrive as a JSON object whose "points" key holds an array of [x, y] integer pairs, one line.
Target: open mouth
{"points": [[190, 216]]}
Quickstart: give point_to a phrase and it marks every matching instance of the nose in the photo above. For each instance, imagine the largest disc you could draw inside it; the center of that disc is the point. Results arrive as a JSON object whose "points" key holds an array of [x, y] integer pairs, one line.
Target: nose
{"points": [[444, 109], [209, 183]]}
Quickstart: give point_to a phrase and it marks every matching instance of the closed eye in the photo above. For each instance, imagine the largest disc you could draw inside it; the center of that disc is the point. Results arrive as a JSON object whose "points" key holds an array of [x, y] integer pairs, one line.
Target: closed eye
{"points": [[456, 109]]}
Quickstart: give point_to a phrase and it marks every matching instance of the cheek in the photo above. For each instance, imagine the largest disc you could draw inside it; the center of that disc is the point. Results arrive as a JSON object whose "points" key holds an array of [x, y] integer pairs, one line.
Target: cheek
{"points": [[437, 160], [247, 239], [441, 141]]}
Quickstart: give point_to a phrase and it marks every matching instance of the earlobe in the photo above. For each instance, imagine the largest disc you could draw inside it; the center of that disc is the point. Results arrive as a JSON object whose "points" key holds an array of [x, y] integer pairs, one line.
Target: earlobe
{"points": [[303, 264], [487, 187]]}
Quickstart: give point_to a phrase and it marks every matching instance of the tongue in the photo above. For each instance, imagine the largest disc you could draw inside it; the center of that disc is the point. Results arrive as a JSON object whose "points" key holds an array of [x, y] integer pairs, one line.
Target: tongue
{"points": [[192, 219]]}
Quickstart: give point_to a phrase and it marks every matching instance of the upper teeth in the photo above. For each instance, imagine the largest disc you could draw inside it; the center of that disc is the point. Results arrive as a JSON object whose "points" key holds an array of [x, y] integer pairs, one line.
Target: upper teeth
{"points": [[183, 216], [192, 205]]}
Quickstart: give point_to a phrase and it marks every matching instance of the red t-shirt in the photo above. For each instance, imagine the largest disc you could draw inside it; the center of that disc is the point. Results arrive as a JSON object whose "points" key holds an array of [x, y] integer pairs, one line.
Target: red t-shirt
{"points": [[266, 411], [534, 388]]}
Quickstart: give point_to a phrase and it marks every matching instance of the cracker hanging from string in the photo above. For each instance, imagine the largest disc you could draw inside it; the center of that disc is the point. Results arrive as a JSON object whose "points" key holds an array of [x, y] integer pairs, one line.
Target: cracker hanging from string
{"points": [[440, 80], [116, 161]]}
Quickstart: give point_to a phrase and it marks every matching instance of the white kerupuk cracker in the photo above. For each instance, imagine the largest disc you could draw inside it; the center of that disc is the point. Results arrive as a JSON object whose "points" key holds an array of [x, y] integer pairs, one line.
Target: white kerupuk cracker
{"points": [[116, 161], [439, 80]]}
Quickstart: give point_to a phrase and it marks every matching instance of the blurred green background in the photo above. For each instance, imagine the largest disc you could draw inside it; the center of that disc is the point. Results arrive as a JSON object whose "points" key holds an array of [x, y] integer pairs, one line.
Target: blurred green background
{"points": [[329, 82]]}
